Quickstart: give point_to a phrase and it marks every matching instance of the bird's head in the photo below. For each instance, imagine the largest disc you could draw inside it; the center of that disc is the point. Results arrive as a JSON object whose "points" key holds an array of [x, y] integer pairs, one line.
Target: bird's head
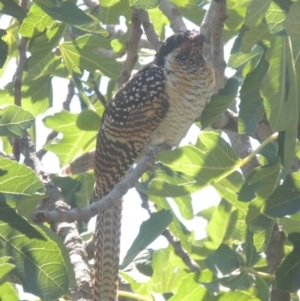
{"points": [[185, 47]]}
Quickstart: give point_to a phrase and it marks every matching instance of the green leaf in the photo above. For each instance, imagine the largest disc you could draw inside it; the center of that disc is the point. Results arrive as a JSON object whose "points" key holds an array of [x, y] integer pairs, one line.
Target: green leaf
{"points": [[159, 21], [278, 86], [88, 121], [83, 196], [67, 12], [79, 87], [256, 11], [260, 183], [177, 228], [36, 86], [219, 103], [8, 292], [189, 290], [221, 225], [220, 267], [68, 187], [238, 296], [143, 4], [11, 8], [5, 268], [17, 178], [228, 189], [167, 182], [285, 200], [149, 231], [81, 54], [263, 229], [208, 163], [169, 271], [110, 11], [288, 274], [36, 21], [191, 12], [143, 262], [75, 141], [3, 49], [291, 223], [44, 43], [253, 35], [185, 206], [250, 250], [14, 121], [239, 58], [292, 21], [38, 260], [275, 16], [25, 205], [237, 281], [251, 105]]}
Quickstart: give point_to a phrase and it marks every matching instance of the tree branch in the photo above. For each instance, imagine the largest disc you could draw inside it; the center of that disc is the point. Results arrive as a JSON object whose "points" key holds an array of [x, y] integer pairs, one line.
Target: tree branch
{"points": [[67, 232], [132, 49], [110, 200], [274, 256], [212, 27], [151, 35], [173, 15]]}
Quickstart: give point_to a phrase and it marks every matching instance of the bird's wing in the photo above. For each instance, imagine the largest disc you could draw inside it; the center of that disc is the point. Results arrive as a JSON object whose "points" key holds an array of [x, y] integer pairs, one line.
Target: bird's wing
{"points": [[128, 122]]}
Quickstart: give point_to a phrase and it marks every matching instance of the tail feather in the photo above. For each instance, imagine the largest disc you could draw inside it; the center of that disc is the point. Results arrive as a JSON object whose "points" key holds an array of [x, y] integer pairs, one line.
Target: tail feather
{"points": [[107, 249]]}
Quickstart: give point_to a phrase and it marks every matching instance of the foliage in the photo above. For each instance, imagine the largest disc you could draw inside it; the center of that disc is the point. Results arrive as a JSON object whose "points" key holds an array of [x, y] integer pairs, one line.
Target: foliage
{"points": [[63, 37]]}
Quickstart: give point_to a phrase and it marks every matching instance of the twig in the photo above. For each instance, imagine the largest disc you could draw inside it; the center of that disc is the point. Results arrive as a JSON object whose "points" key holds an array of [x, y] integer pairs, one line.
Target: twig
{"points": [[179, 251], [42, 152], [151, 35], [118, 32], [205, 27], [99, 94], [132, 49], [110, 200], [173, 15], [4, 155], [68, 232], [69, 96]]}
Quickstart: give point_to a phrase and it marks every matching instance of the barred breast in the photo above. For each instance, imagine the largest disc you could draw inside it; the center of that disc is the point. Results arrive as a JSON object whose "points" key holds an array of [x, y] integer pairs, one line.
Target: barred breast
{"points": [[188, 88]]}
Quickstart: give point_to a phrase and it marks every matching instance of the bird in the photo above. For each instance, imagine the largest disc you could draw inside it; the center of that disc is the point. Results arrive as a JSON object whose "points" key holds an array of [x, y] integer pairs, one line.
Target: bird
{"points": [[156, 106]]}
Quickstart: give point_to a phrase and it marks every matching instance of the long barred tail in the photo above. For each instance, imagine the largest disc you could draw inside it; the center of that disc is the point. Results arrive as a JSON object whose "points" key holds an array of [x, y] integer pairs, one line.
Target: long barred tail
{"points": [[107, 253]]}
